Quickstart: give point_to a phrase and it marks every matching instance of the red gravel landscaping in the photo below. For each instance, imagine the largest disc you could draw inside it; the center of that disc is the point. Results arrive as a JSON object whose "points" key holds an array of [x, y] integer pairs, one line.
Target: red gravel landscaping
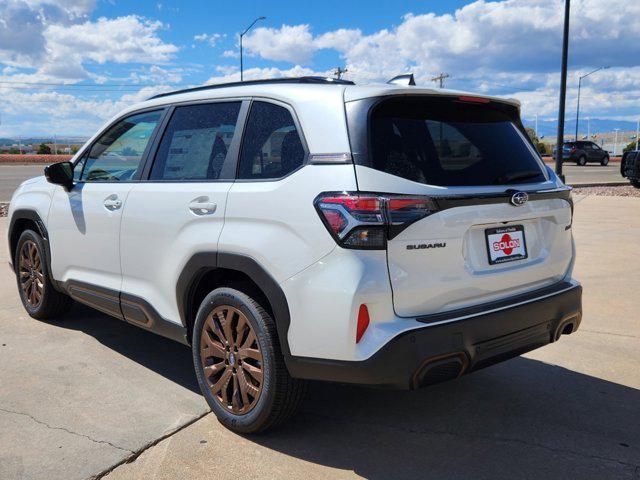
{"points": [[44, 159]]}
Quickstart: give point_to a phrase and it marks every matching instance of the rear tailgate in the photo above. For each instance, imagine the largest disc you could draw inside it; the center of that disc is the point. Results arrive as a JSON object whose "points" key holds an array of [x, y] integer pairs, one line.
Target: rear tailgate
{"points": [[443, 262], [480, 243]]}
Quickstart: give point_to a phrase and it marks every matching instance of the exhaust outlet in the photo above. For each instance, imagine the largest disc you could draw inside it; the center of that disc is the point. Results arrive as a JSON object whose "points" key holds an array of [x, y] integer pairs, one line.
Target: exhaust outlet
{"points": [[566, 327]]}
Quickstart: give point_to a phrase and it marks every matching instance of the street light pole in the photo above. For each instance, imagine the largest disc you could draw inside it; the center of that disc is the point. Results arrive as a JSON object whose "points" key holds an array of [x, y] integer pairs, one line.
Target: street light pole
{"points": [[563, 90], [638, 135], [579, 85], [242, 35]]}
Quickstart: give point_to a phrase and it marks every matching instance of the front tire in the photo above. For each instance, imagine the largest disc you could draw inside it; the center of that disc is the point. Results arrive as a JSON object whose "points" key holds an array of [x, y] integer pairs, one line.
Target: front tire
{"points": [[239, 365], [582, 161], [39, 297], [604, 162]]}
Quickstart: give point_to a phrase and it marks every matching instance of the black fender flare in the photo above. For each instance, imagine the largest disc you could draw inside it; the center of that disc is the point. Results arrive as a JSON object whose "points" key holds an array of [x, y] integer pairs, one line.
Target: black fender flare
{"points": [[32, 215], [203, 262]]}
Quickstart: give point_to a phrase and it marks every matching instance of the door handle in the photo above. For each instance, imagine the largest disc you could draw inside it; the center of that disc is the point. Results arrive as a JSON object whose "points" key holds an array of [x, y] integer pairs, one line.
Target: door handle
{"points": [[202, 206], [112, 202]]}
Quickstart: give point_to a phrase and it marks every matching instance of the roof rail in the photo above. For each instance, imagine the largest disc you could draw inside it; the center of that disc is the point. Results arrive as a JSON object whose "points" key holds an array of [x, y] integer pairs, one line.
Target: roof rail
{"points": [[310, 79]]}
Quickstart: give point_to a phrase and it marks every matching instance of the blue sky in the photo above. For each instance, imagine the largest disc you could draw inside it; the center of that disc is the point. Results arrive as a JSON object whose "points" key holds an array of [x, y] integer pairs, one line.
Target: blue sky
{"points": [[61, 61]]}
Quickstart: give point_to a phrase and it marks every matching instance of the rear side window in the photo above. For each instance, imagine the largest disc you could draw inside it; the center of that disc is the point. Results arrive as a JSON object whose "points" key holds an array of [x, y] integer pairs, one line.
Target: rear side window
{"points": [[448, 142], [195, 144], [271, 147]]}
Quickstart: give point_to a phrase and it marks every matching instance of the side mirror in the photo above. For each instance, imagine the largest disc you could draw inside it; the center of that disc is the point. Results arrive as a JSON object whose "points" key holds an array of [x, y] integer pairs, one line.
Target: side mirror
{"points": [[60, 174]]}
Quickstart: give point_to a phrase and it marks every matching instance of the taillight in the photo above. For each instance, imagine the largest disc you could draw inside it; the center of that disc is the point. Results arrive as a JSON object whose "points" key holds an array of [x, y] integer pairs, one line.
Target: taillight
{"points": [[367, 221]]}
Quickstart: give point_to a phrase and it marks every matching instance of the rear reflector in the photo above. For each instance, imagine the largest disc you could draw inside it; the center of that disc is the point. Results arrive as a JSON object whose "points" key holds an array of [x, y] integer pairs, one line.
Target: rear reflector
{"points": [[363, 322]]}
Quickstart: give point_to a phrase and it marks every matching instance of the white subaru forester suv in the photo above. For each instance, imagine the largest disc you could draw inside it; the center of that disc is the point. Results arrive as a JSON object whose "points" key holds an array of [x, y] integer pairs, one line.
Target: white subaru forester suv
{"points": [[308, 228]]}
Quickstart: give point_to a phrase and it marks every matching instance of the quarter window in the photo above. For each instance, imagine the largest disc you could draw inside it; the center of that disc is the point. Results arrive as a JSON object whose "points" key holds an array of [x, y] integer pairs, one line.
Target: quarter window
{"points": [[116, 155], [196, 143], [271, 146]]}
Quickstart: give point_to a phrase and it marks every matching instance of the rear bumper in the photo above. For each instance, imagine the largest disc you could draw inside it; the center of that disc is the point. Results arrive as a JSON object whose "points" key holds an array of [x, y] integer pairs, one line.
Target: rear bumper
{"points": [[447, 350]]}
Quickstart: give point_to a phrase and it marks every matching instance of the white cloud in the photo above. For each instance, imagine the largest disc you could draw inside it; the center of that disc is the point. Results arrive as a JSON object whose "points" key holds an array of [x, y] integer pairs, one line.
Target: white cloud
{"points": [[232, 74], [131, 39], [56, 39], [513, 35], [288, 43], [212, 38]]}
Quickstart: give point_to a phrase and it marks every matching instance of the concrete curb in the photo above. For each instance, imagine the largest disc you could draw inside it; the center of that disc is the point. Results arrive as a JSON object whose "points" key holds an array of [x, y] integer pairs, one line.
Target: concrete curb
{"points": [[599, 184]]}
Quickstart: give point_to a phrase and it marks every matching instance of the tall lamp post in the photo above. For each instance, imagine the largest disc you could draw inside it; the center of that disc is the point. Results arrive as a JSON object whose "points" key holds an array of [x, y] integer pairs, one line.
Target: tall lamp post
{"points": [[242, 35], [563, 90], [579, 85]]}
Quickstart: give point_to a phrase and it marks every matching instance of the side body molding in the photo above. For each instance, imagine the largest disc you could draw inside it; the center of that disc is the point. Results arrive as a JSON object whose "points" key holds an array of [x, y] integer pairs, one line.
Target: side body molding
{"points": [[204, 262]]}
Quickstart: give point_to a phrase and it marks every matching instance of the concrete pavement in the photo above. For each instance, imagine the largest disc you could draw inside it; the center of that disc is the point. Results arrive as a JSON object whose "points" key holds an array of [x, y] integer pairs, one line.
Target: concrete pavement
{"points": [[83, 392], [79, 394]]}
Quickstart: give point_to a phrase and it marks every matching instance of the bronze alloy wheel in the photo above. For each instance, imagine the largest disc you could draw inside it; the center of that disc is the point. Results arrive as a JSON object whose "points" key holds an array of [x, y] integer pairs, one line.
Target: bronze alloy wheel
{"points": [[31, 275], [231, 359]]}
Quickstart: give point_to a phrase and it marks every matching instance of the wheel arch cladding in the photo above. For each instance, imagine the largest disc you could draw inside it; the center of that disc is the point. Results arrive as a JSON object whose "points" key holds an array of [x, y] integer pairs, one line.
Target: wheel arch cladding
{"points": [[22, 220], [217, 269]]}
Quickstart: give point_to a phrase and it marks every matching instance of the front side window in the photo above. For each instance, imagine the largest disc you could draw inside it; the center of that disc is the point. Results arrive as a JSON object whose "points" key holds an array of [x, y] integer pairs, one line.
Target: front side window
{"points": [[116, 155], [271, 146], [196, 142], [450, 142]]}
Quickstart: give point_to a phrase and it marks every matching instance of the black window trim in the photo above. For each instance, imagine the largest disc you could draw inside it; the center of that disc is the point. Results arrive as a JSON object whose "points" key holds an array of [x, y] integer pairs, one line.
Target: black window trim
{"points": [[296, 122], [234, 148], [143, 172], [82, 153]]}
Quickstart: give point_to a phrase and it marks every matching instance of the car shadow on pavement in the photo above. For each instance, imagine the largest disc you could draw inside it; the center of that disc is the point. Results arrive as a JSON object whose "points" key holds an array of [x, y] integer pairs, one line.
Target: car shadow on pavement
{"points": [[166, 357], [519, 419]]}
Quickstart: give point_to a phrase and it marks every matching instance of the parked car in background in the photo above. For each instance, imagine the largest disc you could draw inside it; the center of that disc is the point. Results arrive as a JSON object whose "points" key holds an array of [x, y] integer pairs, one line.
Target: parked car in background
{"points": [[584, 152], [630, 167]]}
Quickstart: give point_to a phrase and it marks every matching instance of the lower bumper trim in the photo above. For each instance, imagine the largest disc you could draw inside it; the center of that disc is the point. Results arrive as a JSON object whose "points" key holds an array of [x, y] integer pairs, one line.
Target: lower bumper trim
{"points": [[410, 360]]}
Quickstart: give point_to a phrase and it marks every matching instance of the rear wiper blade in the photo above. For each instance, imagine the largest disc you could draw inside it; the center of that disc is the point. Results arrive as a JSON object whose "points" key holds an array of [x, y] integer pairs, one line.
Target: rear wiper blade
{"points": [[517, 176]]}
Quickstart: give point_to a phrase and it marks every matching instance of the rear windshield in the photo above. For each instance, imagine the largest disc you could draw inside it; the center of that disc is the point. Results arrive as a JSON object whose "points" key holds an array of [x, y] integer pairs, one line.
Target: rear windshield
{"points": [[449, 142]]}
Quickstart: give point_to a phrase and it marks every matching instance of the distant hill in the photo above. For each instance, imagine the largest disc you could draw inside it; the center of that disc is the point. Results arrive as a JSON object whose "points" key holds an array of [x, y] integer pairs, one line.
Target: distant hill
{"points": [[550, 127], [32, 140]]}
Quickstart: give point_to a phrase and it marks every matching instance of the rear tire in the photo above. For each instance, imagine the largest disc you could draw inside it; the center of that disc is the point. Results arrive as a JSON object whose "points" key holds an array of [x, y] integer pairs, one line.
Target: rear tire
{"points": [[239, 364], [582, 161], [604, 162], [39, 297]]}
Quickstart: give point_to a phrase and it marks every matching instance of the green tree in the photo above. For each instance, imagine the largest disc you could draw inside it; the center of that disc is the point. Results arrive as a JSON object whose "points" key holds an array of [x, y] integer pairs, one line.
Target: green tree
{"points": [[630, 147], [44, 149], [542, 148]]}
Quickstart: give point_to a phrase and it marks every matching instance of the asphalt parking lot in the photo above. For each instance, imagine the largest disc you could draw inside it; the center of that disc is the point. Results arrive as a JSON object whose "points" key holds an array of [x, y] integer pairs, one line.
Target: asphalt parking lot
{"points": [[13, 175], [81, 395]]}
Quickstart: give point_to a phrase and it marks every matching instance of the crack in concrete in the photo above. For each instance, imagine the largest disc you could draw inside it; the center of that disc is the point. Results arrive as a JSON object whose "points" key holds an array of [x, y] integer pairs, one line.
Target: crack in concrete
{"points": [[64, 429], [135, 454], [480, 437], [599, 332]]}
